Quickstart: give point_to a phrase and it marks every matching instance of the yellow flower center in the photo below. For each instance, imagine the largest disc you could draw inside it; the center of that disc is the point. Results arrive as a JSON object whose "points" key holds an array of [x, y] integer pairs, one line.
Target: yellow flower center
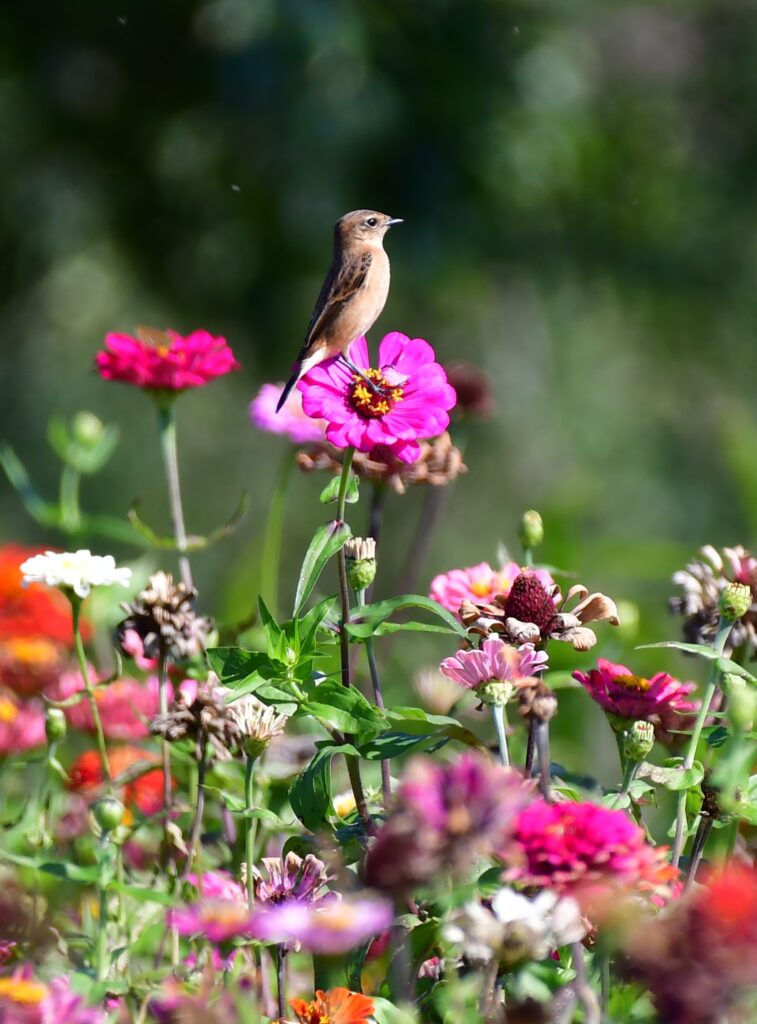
{"points": [[373, 404], [632, 682], [31, 650], [481, 588], [8, 710], [22, 990], [344, 804]]}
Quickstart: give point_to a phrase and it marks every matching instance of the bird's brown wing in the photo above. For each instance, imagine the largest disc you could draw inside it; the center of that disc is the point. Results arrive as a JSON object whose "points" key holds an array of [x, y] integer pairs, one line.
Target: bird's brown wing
{"points": [[337, 291]]}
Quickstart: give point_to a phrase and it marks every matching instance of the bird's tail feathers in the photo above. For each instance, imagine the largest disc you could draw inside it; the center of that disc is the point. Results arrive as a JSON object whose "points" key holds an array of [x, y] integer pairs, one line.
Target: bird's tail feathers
{"points": [[288, 388], [299, 369]]}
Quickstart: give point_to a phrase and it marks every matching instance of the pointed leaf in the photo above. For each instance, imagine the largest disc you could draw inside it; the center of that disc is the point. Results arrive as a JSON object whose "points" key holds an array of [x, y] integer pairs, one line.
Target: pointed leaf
{"points": [[310, 795], [331, 491], [328, 539], [368, 619]]}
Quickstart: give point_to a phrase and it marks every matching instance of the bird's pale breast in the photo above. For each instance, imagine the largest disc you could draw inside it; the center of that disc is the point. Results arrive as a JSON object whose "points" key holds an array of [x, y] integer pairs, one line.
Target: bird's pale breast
{"points": [[361, 312]]}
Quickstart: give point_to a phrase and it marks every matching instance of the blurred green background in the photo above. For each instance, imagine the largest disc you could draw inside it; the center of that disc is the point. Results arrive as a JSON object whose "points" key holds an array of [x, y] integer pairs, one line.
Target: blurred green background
{"points": [[577, 181]]}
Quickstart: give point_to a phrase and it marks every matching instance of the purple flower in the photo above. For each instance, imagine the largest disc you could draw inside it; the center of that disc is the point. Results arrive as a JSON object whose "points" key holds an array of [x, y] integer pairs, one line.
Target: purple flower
{"points": [[410, 401], [494, 661], [292, 879], [214, 919], [290, 421], [329, 929]]}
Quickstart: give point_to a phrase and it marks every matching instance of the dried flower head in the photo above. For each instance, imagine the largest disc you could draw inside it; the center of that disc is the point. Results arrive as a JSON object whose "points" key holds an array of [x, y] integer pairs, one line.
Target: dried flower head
{"points": [[200, 714], [164, 619], [257, 724], [534, 613], [702, 583], [536, 700], [438, 463], [473, 389]]}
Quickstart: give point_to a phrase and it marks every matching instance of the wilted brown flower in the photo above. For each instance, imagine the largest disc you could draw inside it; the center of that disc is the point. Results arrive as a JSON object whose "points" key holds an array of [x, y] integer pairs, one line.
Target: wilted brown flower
{"points": [[163, 621], [473, 389], [702, 583], [204, 717], [439, 463], [533, 613], [536, 700]]}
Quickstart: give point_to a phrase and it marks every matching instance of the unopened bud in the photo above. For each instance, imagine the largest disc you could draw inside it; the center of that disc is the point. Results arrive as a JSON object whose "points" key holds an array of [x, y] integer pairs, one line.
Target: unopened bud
{"points": [[735, 600], [638, 740], [360, 557], [108, 813], [87, 428], [742, 701], [55, 725], [531, 530], [495, 693]]}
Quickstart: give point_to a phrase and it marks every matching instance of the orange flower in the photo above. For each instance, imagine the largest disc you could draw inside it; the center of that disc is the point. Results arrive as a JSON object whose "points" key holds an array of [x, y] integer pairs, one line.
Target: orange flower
{"points": [[337, 1006]]}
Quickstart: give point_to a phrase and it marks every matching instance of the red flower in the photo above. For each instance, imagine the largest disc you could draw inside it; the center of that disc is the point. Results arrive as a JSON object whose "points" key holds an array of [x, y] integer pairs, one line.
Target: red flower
{"points": [[145, 792], [164, 360], [337, 1006]]}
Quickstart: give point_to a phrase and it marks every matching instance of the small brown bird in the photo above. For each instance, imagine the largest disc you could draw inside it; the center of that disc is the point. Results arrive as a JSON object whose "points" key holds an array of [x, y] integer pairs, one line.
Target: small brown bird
{"points": [[352, 295]]}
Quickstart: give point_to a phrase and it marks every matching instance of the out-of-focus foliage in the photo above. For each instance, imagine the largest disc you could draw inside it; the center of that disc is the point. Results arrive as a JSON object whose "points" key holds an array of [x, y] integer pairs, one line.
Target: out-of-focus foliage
{"points": [[577, 182]]}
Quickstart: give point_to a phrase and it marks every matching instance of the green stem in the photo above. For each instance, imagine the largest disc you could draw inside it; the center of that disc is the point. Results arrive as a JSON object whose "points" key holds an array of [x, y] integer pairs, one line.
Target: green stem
{"points": [[271, 557], [250, 827], [378, 697], [629, 774], [528, 557], [102, 920], [500, 724], [167, 426], [202, 767], [69, 499], [82, 658], [724, 628]]}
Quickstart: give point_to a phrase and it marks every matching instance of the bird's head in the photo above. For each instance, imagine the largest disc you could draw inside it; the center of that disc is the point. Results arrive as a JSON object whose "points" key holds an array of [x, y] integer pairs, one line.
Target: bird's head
{"points": [[365, 226]]}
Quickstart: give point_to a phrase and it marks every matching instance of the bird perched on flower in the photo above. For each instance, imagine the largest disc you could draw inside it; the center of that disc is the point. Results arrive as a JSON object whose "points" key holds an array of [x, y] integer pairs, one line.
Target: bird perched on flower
{"points": [[352, 295]]}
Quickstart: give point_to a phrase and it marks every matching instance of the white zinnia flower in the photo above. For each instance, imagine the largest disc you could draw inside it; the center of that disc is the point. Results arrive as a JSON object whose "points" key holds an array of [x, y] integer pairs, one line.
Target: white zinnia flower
{"points": [[257, 723], [74, 570]]}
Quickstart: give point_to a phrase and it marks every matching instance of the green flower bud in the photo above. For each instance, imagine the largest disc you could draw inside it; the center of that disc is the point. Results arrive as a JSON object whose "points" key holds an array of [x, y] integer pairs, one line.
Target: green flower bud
{"points": [[495, 693], [742, 701], [531, 530], [108, 813], [735, 600], [55, 725], [87, 428], [360, 557], [638, 740]]}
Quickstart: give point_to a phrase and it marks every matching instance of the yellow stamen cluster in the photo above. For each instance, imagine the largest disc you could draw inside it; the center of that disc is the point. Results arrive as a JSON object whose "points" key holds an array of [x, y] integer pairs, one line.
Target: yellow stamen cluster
{"points": [[8, 710], [370, 403], [632, 682], [22, 990]]}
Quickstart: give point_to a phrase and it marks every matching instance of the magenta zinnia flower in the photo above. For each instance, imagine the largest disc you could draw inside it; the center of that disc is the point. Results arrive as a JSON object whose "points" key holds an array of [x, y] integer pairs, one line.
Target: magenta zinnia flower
{"points": [[126, 706], [217, 920], [478, 583], [164, 360], [218, 885], [412, 402], [290, 421], [575, 847], [330, 929], [22, 726], [661, 699], [494, 661]]}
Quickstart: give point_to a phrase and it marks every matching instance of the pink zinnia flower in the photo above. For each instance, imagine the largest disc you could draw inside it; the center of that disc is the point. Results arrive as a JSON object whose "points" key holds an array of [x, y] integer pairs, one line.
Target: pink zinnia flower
{"points": [[126, 706], [24, 1000], [478, 583], [661, 699], [291, 879], [330, 929], [164, 360], [579, 847], [412, 403], [290, 421], [218, 920], [22, 726], [218, 885], [494, 661]]}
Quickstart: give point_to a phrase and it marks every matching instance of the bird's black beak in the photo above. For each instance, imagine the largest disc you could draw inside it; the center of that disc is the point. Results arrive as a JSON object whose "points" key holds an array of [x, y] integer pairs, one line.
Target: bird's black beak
{"points": [[394, 220]]}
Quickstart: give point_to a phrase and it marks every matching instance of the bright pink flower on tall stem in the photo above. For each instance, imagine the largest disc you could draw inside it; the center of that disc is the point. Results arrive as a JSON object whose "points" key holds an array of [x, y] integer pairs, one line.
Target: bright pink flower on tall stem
{"points": [[290, 421], [411, 402], [164, 360], [494, 661], [478, 583]]}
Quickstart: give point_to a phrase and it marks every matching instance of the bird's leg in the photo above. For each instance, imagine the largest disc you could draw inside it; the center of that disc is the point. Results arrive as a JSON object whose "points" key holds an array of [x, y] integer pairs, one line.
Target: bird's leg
{"points": [[375, 388]]}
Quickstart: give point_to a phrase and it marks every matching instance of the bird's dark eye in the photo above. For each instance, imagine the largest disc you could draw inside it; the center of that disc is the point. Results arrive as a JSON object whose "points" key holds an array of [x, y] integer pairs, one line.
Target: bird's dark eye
{"points": [[372, 222]]}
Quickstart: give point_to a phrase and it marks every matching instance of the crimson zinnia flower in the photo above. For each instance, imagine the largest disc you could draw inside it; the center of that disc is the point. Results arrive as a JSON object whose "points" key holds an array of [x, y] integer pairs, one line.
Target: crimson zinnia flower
{"points": [[164, 360], [337, 1006], [411, 400]]}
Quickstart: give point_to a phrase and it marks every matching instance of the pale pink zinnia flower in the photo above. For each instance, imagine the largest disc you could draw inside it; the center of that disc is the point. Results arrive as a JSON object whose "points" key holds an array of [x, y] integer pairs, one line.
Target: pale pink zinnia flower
{"points": [[218, 885], [494, 661], [661, 699], [217, 920], [22, 726], [330, 929], [164, 360], [292, 878], [578, 848], [290, 421], [412, 401], [478, 583], [126, 706]]}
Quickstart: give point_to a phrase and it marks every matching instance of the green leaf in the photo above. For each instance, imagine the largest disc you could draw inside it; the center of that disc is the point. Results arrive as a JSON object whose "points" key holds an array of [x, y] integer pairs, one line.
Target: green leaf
{"points": [[397, 744], [238, 809], [724, 664], [344, 708], [310, 623], [671, 774], [326, 542], [310, 795], [368, 620], [277, 645], [144, 895], [385, 1012], [331, 491]]}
